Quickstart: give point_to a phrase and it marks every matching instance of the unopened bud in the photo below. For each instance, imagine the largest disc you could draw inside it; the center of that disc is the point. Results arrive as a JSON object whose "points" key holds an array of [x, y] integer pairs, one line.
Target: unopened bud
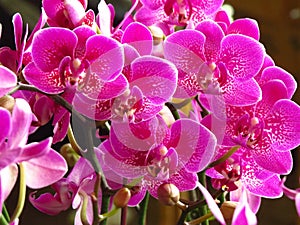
{"points": [[122, 197], [168, 194], [69, 154], [227, 209], [7, 102]]}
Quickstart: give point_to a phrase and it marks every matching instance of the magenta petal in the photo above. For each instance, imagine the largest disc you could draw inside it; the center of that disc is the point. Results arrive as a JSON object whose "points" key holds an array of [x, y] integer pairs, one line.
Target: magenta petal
{"points": [[274, 72], [49, 204], [282, 120], [214, 36], [8, 80], [96, 88], [124, 167], [212, 205], [155, 77], [49, 82], [242, 55], [45, 170], [94, 109], [148, 16], [142, 42], [245, 26], [243, 215], [253, 200], [21, 121], [5, 124], [139, 137], [272, 160], [8, 178], [242, 93], [194, 144], [185, 49], [51, 45], [184, 180], [83, 33], [269, 185], [106, 56], [36, 149], [138, 197], [80, 171]]}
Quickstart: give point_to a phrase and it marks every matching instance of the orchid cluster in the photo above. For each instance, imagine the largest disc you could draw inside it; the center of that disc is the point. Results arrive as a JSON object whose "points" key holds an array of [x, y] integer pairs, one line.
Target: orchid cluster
{"points": [[177, 98]]}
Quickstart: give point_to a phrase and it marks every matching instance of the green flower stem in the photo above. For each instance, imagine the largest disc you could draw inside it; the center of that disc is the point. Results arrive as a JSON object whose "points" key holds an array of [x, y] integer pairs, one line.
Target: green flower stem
{"points": [[143, 210], [204, 208], [73, 141], [104, 208], [112, 212], [95, 200], [22, 194], [173, 110], [3, 221], [57, 98], [224, 157], [83, 217], [203, 219], [5, 213]]}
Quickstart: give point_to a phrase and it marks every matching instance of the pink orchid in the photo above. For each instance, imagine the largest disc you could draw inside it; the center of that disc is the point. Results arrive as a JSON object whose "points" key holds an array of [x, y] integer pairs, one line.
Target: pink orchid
{"points": [[151, 153], [265, 146], [152, 82], [8, 80], [177, 12], [68, 13], [75, 62], [243, 215], [70, 191], [213, 63], [43, 165]]}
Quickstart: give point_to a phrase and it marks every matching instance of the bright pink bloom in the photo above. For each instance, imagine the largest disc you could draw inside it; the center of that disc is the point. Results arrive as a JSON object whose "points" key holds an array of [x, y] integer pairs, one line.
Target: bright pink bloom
{"points": [[43, 166], [68, 13], [8, 80], [154, 154], [266, 131], [70, 191], [243, 215], [213, 63], [176, 12]]}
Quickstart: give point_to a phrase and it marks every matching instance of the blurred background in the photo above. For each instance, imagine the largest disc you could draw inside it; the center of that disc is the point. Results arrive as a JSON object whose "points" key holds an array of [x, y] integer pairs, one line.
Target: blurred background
{"points": [[279, 22]]}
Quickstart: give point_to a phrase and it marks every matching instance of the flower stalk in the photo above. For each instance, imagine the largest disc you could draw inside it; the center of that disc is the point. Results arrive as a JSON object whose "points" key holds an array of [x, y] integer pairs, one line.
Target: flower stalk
{"points": [[22, 194]]}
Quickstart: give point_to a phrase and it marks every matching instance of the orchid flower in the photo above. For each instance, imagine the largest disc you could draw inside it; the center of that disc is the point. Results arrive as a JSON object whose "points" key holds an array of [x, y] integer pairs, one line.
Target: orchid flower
{"points": [[265, 151], [71, 191], [215, 64], [41, 164], [177, 12], [149, 154], [68, 13]]}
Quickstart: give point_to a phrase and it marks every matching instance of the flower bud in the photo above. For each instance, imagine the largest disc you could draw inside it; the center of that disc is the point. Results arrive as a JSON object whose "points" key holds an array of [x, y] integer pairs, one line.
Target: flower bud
{"points": [[7, 102], [227, 209], [122, 197], [168, 194], [69, 154]]}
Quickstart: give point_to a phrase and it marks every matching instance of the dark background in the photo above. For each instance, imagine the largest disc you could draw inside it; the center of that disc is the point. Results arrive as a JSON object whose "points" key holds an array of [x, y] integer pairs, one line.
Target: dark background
{"points": [[279, 22]]}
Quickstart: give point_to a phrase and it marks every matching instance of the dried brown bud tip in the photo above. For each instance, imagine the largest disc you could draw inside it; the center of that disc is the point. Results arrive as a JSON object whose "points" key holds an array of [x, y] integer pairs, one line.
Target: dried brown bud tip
{"points": [[7, 102]]}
